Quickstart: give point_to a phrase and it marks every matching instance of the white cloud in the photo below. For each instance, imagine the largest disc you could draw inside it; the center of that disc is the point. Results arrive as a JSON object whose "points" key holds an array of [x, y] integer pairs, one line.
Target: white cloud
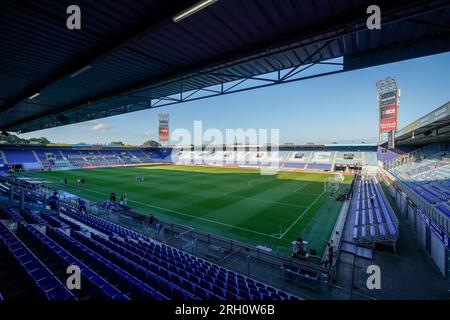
{"points": [[148, 133], [99, 127]]}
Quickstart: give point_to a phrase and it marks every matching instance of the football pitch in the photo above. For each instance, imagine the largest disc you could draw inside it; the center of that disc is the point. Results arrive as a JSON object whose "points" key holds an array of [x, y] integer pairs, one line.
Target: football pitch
{"points": [[240, 204]]}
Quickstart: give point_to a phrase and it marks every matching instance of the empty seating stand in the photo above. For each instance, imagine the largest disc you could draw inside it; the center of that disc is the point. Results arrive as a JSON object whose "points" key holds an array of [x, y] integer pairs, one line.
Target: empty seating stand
{"points": [[60, 159], [8, 213], [32, 218], [428, 178], [386, 214], [49, 287], [54, 221], [122, 280], [175, 274], [444, 209], [94, 287], [372, 220], [115, 262]]}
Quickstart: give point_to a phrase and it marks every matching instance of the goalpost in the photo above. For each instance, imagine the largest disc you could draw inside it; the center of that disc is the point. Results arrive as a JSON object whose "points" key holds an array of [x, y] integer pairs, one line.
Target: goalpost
{"points": [[332, 184], [339, 177]]}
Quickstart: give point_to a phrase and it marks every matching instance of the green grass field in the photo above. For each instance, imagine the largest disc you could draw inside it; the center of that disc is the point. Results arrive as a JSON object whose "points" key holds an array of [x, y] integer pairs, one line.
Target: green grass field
{"points": [[236, 203]]}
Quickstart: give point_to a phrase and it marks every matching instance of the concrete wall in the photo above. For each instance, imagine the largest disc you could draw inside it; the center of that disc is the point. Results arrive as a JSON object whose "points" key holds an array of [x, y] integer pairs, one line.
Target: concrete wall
{"points": [[437, 249], [438, 253], [420, 229], [412, 217]]}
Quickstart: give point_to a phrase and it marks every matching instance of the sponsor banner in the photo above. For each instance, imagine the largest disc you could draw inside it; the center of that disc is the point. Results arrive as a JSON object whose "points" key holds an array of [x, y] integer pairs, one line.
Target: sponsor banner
{"points": [[389, 112], [387, 125], [442, 236], [163, 134], [126, 165], [388, 107], [388, 98]]}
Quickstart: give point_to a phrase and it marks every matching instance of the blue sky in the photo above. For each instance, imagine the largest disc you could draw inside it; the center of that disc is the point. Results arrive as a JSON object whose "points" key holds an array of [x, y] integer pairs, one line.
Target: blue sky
{"points": [[339, 108]]}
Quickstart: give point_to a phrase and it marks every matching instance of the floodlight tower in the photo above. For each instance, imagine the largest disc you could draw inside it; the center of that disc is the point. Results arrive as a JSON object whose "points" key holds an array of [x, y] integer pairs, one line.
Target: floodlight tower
{"points": [[388, 102], [163, 128]]}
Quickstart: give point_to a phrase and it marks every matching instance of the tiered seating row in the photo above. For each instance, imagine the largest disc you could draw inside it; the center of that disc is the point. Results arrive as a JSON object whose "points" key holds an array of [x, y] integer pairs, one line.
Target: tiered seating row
{"points": [[32, 218], [122, 280], [45, 280], [385, 211], [53, 221], [8, 213], [201, 274], [111, 229], [126, 265], [99, 287], [139, 273], [371, 214]]}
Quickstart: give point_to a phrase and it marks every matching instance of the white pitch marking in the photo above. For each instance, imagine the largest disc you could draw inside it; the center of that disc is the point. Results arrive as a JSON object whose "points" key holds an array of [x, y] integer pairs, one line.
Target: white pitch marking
{"points": [[267, 201], [302, 186], [301, 215]]}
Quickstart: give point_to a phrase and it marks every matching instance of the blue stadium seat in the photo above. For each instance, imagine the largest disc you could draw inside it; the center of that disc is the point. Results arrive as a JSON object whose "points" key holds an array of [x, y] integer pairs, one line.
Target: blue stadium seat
{"points": [[44, 279], [143, 258]]}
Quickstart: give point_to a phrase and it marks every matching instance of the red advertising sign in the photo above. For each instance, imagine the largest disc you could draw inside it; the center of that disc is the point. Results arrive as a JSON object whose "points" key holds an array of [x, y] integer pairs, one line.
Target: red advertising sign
{"points": [[163, 134], [388, 118], [163, 127], [389, 112]]}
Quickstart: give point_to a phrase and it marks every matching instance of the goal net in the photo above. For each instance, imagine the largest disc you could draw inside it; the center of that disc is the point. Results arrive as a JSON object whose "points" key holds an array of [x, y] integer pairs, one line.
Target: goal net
{"points": [[332, 184], [339, 177]]}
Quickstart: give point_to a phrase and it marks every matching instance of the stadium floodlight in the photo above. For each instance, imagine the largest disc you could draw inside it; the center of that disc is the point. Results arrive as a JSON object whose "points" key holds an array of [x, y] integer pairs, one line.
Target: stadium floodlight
{"points": [[80, 71], [195, 8], [37, 94]]}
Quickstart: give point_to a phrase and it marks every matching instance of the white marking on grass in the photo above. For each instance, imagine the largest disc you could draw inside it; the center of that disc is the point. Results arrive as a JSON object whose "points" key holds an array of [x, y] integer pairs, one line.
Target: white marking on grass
{"points": [[266, 201], [301, 215], [244, 188], [188, 215], [302, 186], [250, 184], [310, 193]]}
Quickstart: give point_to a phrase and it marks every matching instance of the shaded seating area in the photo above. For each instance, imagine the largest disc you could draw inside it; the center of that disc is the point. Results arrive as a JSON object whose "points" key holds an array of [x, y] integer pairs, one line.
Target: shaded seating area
{"points": [[42, 283], [116, 263], [192, 275]]}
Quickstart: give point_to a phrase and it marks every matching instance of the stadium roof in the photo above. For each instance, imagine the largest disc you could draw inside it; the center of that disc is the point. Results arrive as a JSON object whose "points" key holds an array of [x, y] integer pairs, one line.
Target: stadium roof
{"points": [[433, 127], [131, 55]]}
